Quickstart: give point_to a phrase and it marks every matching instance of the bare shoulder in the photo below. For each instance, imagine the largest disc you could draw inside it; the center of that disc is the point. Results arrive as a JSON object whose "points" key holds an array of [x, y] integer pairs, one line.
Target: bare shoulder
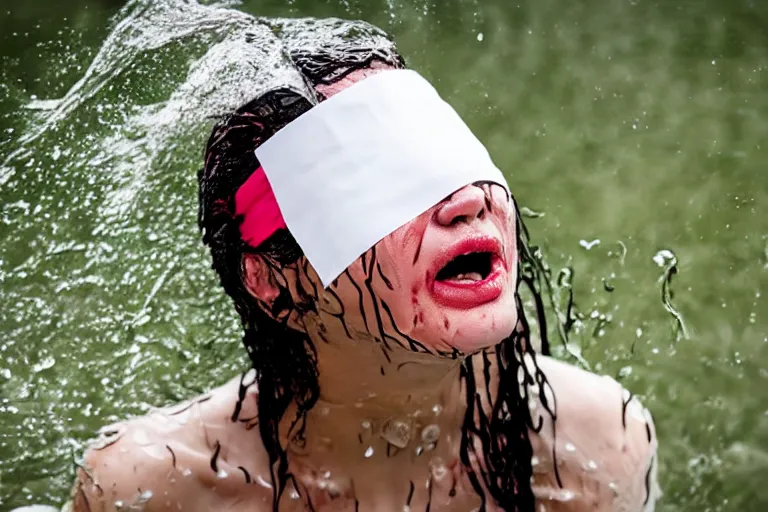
{"points": [[602, 442], [203, 454]]}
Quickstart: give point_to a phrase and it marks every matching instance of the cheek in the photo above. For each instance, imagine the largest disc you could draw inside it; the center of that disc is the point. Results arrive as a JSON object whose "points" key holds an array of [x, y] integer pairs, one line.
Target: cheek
{"points": [[482, 327], [398, 255], [395, 282], [506, 222]]}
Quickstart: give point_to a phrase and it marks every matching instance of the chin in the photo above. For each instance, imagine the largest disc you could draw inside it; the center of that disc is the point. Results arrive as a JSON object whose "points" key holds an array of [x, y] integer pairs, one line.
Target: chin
{"points": [[484, 326]]}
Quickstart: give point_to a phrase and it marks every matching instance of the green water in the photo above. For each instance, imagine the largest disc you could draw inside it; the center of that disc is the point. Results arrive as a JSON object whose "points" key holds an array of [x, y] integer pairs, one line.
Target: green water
{"points": [[640, 125]]}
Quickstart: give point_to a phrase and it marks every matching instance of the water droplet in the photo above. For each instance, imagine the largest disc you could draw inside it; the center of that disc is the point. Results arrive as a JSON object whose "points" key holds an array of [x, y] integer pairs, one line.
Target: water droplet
{"points": [[144, 497], [480, 36], [368, 452], [437, 409], [107, 437], [569, 447], [186, 472], [590, 465], [430, 434], [262, 482], [397, 432], [663, 256], [44, 364], [438, 468], [222, 474], [294, 494], [561, 495]]}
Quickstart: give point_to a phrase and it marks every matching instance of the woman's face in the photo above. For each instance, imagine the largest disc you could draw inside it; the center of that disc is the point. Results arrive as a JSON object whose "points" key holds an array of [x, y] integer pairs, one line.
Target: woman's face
{"points": [[443, 282]]}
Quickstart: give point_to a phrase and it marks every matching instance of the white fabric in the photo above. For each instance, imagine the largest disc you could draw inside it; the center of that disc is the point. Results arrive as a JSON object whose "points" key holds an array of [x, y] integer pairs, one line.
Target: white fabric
{"points": [[361, 164]]}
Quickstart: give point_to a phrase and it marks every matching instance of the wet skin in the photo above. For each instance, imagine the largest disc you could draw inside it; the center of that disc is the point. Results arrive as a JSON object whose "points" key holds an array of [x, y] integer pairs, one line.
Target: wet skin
{"points": [[389, 349], [197, 457]]}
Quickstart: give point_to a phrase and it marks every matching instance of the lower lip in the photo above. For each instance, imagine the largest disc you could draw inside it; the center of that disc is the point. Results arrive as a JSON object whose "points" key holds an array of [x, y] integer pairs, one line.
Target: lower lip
{"points": [[468, 295]]}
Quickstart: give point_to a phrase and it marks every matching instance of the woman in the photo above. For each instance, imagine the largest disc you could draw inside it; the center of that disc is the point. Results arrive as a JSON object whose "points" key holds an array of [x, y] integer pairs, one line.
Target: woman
{"points": [[371, 249]]}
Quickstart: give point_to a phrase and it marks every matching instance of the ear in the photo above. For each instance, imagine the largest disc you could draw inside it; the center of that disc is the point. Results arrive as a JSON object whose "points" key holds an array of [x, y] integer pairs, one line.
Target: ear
{"points": [[258, 279]]}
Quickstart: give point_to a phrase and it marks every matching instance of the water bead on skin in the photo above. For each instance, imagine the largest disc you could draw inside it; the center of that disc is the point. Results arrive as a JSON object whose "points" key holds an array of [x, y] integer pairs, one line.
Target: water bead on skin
{"points": [[366, 430], [397, 432], [430, 434], [438, 468], [263, 482]]}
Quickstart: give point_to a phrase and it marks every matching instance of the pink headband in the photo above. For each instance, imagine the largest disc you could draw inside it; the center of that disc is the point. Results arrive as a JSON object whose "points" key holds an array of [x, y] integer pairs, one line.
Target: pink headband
{"points": [[256, 202]]}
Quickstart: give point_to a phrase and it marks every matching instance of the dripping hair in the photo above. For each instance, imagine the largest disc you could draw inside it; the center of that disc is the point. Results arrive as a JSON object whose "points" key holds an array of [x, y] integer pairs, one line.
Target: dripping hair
{"points": [[285, 359]]}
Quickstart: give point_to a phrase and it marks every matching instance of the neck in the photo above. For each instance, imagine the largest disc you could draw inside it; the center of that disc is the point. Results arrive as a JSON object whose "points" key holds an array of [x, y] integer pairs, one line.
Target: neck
{"points": [[369, 376], [379, 402]]}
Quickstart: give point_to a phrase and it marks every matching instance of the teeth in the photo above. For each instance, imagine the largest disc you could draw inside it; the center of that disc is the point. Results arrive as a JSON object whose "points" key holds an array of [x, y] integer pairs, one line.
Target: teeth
{"points": [[471, 276]]}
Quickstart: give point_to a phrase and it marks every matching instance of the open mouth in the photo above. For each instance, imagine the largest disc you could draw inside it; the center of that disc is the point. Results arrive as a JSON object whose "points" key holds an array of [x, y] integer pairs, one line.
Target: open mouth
{"points": [[470, 268], [469, 274]]}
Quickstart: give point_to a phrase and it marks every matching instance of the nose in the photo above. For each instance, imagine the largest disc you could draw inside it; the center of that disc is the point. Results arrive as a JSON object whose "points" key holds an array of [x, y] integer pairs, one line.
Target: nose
{"points": [[464, 205]]}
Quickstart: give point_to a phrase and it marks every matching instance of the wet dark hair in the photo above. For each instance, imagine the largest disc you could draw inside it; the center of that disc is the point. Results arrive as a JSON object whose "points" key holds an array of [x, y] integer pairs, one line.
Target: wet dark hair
{"points": [[285, 359]]}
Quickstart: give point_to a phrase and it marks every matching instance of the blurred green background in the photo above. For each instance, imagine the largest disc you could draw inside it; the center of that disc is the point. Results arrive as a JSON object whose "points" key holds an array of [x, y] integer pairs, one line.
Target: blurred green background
{"points": [[635, 127]]}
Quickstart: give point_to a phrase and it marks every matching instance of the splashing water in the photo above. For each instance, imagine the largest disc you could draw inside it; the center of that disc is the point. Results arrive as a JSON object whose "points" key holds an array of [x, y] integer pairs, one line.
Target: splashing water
{"points": [[612, 123]]}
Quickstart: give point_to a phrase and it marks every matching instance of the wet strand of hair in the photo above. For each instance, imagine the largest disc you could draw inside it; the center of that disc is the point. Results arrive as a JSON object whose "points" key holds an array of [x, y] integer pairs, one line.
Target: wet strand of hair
{"points": [[429, 494], [246, 474], [339, 316], [648, 480], [361, 299], [412, 343], [624, 404], [377, 312], [315, 293], [383, 277], [241, 392], [215, 457], [173, 456], [465, 445]]}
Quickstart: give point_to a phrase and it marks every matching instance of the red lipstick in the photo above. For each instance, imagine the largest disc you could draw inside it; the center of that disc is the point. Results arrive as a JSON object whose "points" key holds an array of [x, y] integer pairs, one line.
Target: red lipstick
{"points": [[469, 273]]}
